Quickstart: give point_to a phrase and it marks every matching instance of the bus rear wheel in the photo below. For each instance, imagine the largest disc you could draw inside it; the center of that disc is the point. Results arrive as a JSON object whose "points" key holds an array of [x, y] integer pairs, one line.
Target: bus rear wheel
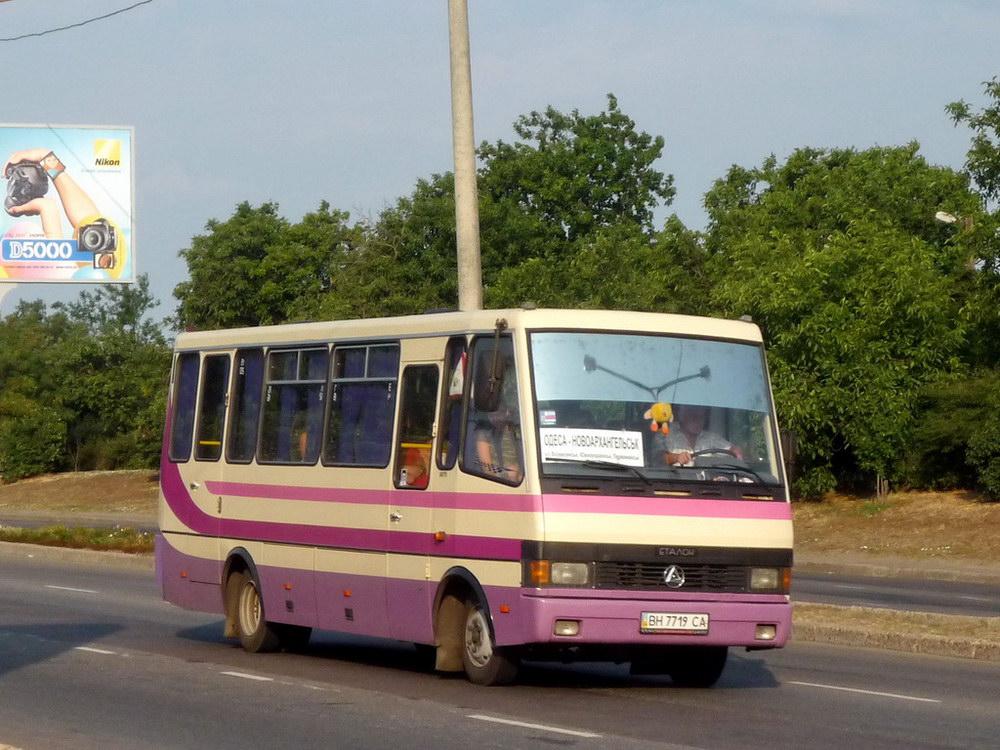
{"points": [[256, 634], [484, 662]]}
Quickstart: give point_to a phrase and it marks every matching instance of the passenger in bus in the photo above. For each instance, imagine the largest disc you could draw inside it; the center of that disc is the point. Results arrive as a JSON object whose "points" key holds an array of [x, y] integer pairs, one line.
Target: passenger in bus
{"points": [[689, 436], [498, 438], [415, 471]]}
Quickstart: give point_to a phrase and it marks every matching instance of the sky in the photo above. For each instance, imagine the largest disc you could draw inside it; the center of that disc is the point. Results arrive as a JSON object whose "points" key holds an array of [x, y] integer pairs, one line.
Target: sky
{"points": [[348, 101]]}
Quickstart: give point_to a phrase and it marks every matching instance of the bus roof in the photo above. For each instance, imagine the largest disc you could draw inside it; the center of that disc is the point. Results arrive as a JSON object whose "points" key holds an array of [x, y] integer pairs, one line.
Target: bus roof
{"points": [[478, 321]]}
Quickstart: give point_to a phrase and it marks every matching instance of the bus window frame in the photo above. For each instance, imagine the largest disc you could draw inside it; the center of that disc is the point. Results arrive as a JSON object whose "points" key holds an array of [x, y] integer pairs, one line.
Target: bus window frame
{"points": [[511, 370], [184, 356], [199, 423], [324, 388], [335, 392]]}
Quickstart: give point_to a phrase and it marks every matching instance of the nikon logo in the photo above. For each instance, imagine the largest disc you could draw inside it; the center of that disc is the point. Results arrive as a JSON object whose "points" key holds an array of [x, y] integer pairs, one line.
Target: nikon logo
{"points": [[107, 152]]}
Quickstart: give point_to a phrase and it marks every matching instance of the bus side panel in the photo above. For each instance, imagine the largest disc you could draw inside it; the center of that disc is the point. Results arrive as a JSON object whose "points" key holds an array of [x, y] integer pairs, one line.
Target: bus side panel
{"points": [[415, 598], [350, 592], [288, 584], [185, 578]]}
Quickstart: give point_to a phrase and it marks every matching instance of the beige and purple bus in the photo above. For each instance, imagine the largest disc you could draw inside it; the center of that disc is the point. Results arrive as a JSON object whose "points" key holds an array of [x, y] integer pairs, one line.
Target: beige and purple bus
{"points": [[493, 486]]}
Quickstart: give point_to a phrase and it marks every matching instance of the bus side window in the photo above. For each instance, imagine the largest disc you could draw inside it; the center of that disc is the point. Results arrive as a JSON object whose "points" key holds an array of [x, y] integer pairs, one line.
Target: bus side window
{"points": [[450, 425], [212, 408], [244, 414], [493, 435], [182, 418], [362, 405], [416, 425], [293, 406]]}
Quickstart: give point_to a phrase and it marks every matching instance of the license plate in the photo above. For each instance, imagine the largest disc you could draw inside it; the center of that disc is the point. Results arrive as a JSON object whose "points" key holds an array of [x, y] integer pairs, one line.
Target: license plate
{"points": [[670, 622]]}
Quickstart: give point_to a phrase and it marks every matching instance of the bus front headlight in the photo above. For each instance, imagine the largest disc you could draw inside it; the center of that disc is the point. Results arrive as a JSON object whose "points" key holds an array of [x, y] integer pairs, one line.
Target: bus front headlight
{"points": [[548, 573], [777, 580], [570, 574]]}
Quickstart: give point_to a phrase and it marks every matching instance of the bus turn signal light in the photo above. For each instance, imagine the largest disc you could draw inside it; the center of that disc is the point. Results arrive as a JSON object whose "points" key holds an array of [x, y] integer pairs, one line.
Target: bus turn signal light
{"points": [[541, 572]]}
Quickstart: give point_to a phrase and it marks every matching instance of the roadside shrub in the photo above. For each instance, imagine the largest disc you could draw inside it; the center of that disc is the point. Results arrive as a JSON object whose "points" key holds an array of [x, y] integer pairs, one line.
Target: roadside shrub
{"points": [[32, 441]]}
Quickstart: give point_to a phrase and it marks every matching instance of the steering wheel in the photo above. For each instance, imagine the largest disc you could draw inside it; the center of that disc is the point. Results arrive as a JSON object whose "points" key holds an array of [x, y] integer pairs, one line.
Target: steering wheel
{"points": [[714, 451]]}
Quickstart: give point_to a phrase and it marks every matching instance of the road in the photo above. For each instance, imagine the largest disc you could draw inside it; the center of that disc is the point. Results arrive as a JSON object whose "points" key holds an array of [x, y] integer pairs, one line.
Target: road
{"points": [[947, 597], [91, 658]]}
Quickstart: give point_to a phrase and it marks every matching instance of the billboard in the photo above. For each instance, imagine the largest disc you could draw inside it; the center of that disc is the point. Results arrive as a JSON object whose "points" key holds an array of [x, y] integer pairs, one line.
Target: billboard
{"points": [[67, 198]]}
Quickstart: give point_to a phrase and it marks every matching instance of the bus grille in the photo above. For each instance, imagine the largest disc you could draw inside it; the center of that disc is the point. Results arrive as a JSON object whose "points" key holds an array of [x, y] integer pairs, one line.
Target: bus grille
{"points": [[649, 577]]}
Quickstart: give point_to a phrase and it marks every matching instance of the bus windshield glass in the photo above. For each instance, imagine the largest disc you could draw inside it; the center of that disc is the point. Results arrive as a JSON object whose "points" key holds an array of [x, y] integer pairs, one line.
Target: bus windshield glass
{"points": [[663, 407]]}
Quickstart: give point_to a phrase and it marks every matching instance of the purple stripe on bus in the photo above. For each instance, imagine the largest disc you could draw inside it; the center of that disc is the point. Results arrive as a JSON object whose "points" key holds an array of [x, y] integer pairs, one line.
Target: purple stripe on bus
{"points": [[455, 545]]}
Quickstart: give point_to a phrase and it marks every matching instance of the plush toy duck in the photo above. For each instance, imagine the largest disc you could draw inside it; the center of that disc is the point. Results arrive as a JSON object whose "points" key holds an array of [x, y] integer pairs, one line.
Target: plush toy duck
{"points": [[660, 415]]}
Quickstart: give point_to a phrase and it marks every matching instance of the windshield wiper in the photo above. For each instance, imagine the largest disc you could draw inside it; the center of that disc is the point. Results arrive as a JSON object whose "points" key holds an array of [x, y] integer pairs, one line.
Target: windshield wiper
{"points": [[592, 463]]}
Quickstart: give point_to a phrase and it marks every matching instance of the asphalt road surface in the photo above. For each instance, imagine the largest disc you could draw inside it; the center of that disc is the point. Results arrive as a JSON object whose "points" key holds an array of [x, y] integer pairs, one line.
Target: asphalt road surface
{"points": [[91, 658], [947, 597]]}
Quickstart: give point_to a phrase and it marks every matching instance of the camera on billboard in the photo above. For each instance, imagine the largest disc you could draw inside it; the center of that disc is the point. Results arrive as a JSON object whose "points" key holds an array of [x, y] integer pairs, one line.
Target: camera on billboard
{"points": [[25, 182], [100, 238]]}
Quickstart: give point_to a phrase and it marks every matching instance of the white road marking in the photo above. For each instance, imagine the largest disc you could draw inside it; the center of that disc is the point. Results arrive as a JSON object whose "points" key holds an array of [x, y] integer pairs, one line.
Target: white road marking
{"points": [[866, 692], [69, 588], [526, 725], [849, 586], [976, 598], [93, 650], [249, 676]]}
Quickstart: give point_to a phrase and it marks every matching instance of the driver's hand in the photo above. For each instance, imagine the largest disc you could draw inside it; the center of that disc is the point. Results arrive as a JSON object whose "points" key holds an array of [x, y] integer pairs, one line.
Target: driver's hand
{"points": [[684, 458]]}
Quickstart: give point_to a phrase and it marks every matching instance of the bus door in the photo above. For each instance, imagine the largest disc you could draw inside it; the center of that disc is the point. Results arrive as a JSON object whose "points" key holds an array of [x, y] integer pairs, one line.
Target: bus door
{"points": [[206, 467], [411, 536]]}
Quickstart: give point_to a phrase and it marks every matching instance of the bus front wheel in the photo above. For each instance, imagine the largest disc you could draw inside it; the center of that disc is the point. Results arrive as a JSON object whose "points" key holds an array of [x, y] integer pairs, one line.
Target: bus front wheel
{"points": [[256, 634], [484, 662]]}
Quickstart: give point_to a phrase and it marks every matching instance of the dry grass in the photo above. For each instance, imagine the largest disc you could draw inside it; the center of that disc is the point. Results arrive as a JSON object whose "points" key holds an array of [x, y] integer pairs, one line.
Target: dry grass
{"points": [[917, 525], [131, 492]]}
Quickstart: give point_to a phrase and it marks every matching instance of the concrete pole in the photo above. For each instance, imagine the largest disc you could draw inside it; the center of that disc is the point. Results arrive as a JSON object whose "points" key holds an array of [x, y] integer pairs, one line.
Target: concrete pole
{"points": [[470, 274]]}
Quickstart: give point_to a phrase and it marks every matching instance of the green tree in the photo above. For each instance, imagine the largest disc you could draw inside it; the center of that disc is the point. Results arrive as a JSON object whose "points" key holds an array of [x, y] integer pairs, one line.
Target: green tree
{"points": [[258, 269], [859, 292], [114, 389], [981, 234], [32, 419], [574, 195]]}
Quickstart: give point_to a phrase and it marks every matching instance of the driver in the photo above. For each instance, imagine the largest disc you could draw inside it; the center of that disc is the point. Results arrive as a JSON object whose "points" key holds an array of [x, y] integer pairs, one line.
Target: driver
{"points": [[680, 444]]}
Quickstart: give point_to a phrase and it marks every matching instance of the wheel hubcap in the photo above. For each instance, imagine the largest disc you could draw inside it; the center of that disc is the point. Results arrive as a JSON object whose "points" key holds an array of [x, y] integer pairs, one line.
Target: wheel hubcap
{"points": [[477, 639], [249, 609]]}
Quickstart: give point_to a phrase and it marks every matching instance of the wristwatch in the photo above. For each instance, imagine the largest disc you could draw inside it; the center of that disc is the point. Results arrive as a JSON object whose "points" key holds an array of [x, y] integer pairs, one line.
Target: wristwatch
{"points": [[52, 166]]}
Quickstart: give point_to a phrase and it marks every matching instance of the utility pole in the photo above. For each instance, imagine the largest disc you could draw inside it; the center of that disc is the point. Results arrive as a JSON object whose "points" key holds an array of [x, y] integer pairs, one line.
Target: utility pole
{"points": [[470, 274]]}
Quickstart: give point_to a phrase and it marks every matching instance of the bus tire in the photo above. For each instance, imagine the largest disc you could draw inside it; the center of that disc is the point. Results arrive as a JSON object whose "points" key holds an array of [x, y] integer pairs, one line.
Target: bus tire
{"points": [[484, 662], [256, 634], [697, 666]]}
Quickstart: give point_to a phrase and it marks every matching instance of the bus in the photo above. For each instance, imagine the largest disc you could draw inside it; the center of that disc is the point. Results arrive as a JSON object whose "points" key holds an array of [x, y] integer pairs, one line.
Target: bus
{"points": [[492, 486]]}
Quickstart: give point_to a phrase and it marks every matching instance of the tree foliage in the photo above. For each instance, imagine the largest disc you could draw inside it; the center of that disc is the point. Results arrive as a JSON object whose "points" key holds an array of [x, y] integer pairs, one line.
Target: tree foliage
{"points": [[258, 269], [836, 255], [82, 386]]}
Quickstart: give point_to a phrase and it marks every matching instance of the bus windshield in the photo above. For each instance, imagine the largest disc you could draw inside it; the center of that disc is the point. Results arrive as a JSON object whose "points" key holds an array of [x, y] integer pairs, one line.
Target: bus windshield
{"points": [[665, 407]]}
